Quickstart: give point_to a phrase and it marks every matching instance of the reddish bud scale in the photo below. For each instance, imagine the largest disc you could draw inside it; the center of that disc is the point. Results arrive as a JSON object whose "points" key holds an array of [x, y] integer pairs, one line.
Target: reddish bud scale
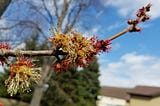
{"points": [[148, 7], [6, 47], [133, 22], [135, 29], [141, 12], [102, 45]]}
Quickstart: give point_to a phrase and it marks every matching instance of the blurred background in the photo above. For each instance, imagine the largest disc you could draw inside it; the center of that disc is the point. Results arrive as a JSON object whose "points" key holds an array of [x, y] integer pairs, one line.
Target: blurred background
{"points": [[133, 60]]}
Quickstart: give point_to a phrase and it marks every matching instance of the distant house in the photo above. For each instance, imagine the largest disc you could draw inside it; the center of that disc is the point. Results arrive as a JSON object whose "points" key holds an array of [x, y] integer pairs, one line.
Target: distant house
{"points": [[138, 96], [145, 96], [112, 96]]}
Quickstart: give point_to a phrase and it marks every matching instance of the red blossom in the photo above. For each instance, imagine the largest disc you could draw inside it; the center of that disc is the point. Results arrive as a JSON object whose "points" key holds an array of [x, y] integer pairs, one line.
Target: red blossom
{"points": [[60, 67], [6, 47], [102, 45], [25, 61]]}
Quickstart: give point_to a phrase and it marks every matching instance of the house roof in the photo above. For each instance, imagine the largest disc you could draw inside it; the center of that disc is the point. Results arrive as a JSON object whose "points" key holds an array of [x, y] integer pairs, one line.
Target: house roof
{"points": [[116, 92], [145, 91], [125, 93]]}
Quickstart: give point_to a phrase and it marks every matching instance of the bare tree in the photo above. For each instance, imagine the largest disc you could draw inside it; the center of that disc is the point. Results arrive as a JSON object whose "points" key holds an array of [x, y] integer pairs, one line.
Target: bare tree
{"points": [[3, 5]]}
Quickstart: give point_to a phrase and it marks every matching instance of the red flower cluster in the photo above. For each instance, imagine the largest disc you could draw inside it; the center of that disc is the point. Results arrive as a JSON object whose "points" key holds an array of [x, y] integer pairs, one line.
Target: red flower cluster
{"points": [[101, 45], [24, 61], [6, 47], [80, 50]]}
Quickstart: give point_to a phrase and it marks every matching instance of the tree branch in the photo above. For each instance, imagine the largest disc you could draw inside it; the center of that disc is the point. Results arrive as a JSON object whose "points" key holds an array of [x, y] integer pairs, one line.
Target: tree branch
{"points": [[56, 8], [132, 28], [118, 34], [128, 29], [63, 14], [3, 5], [48, 12], [15, 53], [71, 24], [37, 10]]}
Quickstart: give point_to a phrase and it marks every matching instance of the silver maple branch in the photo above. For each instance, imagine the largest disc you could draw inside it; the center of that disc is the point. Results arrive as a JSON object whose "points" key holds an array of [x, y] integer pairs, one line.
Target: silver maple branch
{"points": [[130, 28]]}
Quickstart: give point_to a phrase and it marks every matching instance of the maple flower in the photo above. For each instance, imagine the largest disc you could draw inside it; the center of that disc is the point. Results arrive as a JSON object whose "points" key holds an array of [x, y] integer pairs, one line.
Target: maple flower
{"points": [[5, 47], [22, 76], [80, 50]]}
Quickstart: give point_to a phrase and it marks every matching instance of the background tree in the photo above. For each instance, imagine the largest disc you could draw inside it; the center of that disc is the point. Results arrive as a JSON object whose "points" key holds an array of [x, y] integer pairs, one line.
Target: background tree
{"points": [[3, 5], [74, 88]]}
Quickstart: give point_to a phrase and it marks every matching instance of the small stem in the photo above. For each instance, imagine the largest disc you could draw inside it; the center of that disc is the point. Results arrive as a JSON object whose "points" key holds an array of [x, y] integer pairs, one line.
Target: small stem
{"points": [[118, 34], [130, 27]]}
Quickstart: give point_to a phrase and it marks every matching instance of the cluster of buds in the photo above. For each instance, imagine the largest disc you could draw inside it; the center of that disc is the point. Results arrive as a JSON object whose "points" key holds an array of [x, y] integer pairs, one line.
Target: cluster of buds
{"points": [[6, 47], [142, 12], [22, 76], [141, 16], [102, 45], [79, 50]]}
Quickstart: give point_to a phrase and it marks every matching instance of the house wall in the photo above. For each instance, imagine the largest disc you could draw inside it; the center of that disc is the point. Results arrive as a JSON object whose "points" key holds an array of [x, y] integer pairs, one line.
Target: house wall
{"points": [[144, 101], [127, 104], [110, 101]]}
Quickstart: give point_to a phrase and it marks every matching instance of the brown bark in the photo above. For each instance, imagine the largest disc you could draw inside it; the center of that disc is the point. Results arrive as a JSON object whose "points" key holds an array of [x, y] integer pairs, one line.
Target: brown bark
{"points": [[63, 14], [3, 5], [39, 89], [30, 53]]}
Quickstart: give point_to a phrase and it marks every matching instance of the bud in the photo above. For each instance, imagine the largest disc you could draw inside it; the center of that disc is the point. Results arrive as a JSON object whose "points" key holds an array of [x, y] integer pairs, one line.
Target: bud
{"points": [[141, 12], [145, 18], [133, 21], [148, 7], [135, 29], [4, 47]]}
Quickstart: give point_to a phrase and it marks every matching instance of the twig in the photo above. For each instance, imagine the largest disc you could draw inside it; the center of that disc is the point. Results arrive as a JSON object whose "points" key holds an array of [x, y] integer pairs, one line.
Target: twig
{"points": [[141, 18], [31, 53], [118, 34]]}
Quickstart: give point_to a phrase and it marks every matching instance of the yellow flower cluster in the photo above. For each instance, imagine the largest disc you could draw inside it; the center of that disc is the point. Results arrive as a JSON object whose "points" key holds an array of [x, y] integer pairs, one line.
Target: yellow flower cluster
{"points": [[22, 76], [79, 49]]}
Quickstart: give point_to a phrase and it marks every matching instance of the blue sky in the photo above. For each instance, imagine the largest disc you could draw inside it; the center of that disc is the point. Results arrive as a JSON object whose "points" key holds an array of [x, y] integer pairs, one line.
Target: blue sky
{"points": [[135, 57]]}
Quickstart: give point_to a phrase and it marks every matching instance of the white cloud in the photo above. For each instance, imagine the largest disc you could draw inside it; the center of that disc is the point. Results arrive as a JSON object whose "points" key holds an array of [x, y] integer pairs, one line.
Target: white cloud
{"points": [[91, 32], [115, 26], [132, 69], [129, 7]]}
